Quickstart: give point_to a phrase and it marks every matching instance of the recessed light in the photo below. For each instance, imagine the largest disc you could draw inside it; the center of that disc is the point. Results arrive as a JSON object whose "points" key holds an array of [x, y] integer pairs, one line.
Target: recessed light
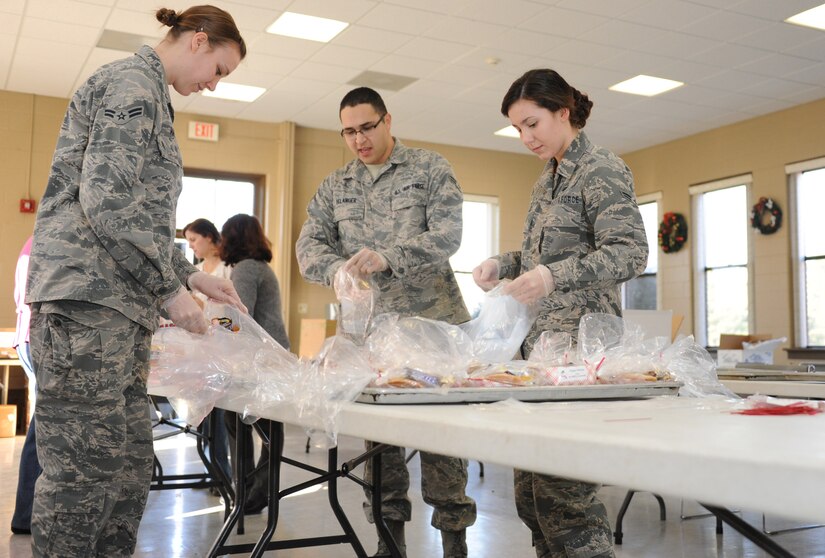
{"points": [[815, 17], [646, 85], [301, 26], [508, 132], [235, 92]]}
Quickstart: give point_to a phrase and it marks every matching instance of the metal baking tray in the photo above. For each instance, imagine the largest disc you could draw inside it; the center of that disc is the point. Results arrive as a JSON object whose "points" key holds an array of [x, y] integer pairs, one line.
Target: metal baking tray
{"points": [[767, 374], [406, 396]]}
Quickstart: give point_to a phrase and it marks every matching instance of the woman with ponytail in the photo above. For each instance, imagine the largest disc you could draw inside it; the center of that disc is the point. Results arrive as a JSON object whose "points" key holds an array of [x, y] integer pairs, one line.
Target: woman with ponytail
{"points": [[102, 265], [583, 237]]}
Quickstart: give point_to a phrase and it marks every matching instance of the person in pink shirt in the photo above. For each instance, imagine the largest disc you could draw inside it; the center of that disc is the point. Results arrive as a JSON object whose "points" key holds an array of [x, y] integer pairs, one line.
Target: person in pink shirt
{"points": [[29, 465]]}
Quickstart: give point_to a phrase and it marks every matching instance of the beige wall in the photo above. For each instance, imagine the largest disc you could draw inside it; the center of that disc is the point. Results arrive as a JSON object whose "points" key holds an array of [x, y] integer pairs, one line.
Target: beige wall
{"points": [[761, 146], [294, 160]]}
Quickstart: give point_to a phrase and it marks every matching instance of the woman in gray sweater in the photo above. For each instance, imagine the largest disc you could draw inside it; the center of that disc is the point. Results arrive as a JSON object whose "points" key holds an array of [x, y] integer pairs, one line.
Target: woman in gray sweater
{"points": [[246, 249]]}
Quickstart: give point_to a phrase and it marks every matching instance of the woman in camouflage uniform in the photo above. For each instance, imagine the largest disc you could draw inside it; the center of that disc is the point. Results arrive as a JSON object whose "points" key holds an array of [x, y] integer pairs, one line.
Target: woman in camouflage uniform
{"points": [[103, 263], [583, 236]]}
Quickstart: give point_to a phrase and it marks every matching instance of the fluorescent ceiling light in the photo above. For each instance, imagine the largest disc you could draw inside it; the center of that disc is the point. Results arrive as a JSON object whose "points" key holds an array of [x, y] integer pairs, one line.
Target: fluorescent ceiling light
{"points": [[307, 27], [646, 85], [508, 132], [235, 92], [815, 17]]}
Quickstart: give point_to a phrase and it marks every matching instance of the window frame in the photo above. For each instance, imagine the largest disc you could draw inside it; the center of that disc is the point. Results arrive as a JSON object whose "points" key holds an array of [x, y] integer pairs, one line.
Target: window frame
{"points": [[495, 227], [798, 271], [652, 197], [699, 268]]}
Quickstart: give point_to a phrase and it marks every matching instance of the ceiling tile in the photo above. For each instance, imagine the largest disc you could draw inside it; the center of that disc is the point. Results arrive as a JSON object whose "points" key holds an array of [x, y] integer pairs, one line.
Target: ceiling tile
{"points": [[437, 6], [732, 80], [139, 23], [67, 11], [36, 28], [677, 45], [287, 47], [399, 18], [728, 55], [463, 30], [325, 72], [668, 14], [511, 12], [347, 56], [567, 23], [368, 38], [36, 70], [780, 36], [726, 26], [521, 41], [342, 10], [773, 10], [622, 34], [13, 6], [434, 49], [605, 8], [405, 65], [777, 65]]}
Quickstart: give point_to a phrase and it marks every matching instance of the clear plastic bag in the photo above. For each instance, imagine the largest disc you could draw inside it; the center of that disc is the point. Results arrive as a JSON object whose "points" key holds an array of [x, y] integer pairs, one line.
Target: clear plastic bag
{"points": [[500, 327], [437, 352], [335, 376], [356, 296]]}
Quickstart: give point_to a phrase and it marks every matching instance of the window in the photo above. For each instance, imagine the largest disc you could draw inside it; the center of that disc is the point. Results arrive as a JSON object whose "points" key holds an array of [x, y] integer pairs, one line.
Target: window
{"points": [[641, 293], [722, 270], [479, 241], [807, 196], [215, 197]]}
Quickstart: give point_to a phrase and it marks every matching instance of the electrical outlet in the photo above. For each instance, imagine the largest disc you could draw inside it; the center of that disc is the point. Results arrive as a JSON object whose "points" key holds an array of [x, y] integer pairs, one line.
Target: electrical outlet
{"points": [[302, 308]]}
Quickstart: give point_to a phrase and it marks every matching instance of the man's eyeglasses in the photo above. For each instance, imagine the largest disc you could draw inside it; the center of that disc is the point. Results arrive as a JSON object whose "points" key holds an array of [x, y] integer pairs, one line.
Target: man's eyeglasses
{"points": [[365, 129]]}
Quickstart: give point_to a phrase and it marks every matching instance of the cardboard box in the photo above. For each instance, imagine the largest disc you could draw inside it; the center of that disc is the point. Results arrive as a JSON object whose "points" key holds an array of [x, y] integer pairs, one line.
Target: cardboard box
{"points": [[313, 333], [730, 350], [8, 421]]}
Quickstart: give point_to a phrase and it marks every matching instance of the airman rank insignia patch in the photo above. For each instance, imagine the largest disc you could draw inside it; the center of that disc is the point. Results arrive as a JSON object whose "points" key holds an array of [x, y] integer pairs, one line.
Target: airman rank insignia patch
{"points": [[123, 115]]}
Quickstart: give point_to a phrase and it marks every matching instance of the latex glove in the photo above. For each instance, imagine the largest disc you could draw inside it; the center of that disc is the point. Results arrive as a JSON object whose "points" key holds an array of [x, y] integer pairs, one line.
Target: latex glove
{"points": [[366, 262], [217, 289], [531, 286], [185, 312], [486, 274]]}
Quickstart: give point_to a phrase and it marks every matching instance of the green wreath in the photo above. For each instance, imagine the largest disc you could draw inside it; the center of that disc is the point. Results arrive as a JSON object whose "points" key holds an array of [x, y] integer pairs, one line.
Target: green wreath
{"points": [[766, 216], [673, 231]]}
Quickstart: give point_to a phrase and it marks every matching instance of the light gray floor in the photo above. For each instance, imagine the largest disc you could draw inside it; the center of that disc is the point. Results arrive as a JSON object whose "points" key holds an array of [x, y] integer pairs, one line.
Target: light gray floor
{"points": [[183, 523]]}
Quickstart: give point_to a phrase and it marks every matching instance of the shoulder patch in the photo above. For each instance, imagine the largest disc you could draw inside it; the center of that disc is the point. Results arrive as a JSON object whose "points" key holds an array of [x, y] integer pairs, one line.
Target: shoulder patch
{"points": [[123, 115]]}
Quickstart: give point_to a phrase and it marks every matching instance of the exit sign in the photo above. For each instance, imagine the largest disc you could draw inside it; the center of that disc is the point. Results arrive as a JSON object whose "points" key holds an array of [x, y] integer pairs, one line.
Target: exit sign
{"points": [[203, 131]]}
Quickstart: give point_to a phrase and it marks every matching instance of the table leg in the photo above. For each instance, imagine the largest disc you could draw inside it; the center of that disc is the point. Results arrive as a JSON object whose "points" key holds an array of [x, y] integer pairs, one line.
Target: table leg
{"points": [[749, 532]]}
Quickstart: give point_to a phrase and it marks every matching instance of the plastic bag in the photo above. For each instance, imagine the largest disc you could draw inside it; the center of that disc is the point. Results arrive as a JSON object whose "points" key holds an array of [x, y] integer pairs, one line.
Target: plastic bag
{"points": [[761, 352], [436, 352], [335, 376], [356, 296], [500, 327], [692, 365]]}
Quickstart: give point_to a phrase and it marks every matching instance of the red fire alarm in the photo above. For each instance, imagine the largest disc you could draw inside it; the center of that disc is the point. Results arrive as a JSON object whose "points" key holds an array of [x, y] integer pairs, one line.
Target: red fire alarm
{"points": [[27, 206]]}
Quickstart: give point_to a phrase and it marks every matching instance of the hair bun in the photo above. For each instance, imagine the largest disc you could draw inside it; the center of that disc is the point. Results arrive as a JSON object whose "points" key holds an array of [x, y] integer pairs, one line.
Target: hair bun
{"points": [[167, 17]]}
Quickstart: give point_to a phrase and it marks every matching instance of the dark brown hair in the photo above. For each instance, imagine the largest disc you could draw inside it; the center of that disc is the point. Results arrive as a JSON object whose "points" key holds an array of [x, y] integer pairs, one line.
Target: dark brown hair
{"points": [[548, 89], [205, 228], [216, 23], [364, 96], [243, 238]]}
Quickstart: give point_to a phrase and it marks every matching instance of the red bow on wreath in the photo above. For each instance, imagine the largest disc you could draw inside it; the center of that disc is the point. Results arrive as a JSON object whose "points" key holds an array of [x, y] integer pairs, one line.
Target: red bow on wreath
{"points": [[673, 232]]}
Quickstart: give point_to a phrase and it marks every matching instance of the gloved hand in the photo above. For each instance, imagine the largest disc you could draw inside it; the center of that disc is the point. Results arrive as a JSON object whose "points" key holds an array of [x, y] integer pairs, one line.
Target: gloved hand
{"points": [[217, 289], [185, 312], [366, 262], [531, 286], [486, 274]]}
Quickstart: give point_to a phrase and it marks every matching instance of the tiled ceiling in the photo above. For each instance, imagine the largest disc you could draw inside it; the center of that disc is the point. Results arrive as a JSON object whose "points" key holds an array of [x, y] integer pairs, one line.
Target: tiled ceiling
{"points": [[737, 58]]}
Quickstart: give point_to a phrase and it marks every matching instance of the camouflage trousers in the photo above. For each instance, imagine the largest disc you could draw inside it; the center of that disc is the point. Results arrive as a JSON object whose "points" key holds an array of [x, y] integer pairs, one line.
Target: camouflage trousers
{"points": [[443, 486], [565, 517], [94, 435]]}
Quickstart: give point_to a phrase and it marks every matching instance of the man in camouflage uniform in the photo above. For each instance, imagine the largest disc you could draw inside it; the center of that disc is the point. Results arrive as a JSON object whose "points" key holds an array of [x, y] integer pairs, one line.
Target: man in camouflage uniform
{"points": [[103, 261], [584, 226], [395, 213]]}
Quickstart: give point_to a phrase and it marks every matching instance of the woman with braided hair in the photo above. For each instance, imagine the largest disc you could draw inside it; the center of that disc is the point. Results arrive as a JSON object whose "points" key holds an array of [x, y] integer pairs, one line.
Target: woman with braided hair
{"points": [[103, 264]]}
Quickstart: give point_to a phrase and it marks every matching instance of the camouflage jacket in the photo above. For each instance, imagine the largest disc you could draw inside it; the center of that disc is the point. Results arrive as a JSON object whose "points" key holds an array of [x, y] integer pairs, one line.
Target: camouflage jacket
{"points": [[411, 214], [106, 225], [584, 225]]}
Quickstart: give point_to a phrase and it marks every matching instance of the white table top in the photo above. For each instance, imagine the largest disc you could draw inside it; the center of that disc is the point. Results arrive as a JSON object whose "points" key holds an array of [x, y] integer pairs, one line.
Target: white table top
{"points": [[684, 447]]}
